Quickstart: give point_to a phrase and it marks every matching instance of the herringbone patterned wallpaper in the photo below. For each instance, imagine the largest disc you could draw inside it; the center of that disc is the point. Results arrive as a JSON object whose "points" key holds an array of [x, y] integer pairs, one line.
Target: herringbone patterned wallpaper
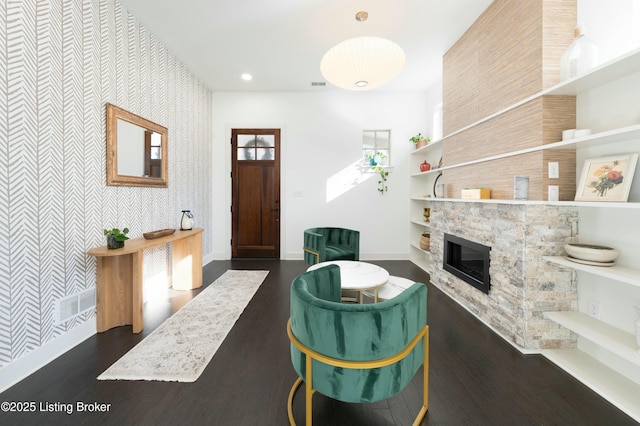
{"points": [[60, 62]]}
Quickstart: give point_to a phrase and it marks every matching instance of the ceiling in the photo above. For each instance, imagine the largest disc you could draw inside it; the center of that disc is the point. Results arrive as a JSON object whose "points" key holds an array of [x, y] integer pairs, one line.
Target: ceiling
{"points": [[281, 42]]}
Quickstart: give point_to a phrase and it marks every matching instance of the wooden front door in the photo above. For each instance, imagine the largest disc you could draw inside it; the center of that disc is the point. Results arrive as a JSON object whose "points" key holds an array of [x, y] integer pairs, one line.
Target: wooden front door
{"points": [[255, 204]]}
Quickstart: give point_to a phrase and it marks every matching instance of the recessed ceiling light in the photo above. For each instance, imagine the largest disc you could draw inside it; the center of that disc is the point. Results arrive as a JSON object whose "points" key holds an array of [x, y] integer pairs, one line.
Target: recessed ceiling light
{"points": [[246, 77]]}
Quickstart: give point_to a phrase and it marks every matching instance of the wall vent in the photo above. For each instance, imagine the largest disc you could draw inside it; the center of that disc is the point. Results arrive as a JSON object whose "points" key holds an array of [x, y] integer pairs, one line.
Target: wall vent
{"points": [[75, 304], [318, 83]]}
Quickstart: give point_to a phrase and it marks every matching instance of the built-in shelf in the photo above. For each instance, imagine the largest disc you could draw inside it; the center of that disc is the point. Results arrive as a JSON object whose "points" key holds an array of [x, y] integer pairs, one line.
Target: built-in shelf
{"points": [[620, 391], [420, 257], [622, 274], [421, 223], [612, 339], [610, 136], [428, 147], [424, 251], [607, 72], [428, 172]]}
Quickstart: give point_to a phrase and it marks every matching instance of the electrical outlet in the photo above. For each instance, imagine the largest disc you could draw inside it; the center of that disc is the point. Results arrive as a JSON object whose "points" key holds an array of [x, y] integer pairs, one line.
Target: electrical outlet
{"points": [[554, 170], [593, 309]]}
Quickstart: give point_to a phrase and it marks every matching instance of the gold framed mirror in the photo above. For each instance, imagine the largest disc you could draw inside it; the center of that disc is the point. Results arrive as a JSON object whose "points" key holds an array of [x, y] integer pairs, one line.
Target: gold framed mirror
{"points": [[136, 150]]}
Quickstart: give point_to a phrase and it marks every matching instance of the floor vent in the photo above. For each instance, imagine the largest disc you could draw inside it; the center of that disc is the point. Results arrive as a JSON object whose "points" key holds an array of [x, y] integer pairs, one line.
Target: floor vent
{"points": [[75, 304]]}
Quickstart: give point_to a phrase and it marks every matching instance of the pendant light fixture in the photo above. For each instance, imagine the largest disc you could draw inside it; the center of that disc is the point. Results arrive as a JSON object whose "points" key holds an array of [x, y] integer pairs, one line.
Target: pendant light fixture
{"points": [[362, 63]]}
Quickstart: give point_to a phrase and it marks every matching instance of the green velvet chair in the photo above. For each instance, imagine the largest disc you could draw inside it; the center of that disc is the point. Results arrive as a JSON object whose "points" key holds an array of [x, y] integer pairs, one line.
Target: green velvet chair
{"points": [[352, 352], [324, 244]]}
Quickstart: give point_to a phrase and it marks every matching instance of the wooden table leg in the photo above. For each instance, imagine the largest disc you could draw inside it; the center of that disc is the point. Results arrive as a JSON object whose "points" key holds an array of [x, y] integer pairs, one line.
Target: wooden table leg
{"points": [[187, 263], [137, 295], [113, 292]]}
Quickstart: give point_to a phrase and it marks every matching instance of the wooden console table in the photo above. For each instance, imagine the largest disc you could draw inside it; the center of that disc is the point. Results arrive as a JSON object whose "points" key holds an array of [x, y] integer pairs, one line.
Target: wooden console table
{"points": [[119, 278]]}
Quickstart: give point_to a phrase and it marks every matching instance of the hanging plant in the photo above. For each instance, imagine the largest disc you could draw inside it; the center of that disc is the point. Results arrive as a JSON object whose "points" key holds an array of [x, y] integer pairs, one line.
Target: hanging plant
{"points": [[382, 182], [375, 161]]}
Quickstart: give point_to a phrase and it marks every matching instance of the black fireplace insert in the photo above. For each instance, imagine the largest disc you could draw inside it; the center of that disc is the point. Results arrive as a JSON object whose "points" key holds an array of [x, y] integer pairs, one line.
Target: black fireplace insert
{"points": [[468, 261]]}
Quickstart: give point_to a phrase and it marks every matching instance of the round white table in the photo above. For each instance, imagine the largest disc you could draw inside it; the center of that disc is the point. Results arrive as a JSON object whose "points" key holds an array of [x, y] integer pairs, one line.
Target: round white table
{"points": [[392, 288], [358, 276]]}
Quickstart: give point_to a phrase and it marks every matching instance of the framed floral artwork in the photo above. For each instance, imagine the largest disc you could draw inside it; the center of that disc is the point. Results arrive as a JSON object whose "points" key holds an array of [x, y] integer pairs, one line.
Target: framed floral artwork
{"points": [[607, 178]]}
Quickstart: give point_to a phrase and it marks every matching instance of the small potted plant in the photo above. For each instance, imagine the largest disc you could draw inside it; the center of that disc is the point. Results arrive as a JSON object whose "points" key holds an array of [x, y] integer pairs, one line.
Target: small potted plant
{"points": [[375, 159], [419, 140], [116, 237]]}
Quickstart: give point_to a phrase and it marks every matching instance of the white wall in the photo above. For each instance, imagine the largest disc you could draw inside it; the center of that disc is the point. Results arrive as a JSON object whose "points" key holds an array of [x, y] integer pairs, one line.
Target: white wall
{"points": [[321, 141]]}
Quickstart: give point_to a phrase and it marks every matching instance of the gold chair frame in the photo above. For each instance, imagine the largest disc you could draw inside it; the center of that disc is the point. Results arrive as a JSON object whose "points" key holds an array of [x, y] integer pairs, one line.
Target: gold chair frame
{"points": [[315, 253], [313, 355]]}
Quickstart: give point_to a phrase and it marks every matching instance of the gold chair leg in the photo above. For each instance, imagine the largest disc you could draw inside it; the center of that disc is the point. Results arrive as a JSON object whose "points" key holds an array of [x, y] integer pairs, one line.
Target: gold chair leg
{"points": [[425, 388], [308, 402], [309, 392], [292, 393]]}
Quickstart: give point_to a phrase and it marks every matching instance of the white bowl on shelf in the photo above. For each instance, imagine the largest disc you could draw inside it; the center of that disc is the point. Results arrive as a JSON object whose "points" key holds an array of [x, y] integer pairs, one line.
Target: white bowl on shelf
{"points": [[591, 252]]}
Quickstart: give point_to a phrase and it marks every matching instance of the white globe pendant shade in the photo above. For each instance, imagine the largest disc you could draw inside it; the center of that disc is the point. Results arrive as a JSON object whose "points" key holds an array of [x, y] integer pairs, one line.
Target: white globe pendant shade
{"points": [[362, 63]]}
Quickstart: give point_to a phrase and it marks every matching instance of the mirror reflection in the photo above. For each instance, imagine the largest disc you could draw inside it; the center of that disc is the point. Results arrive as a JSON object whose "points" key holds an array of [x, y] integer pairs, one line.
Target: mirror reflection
{"points": [[136, 150]]}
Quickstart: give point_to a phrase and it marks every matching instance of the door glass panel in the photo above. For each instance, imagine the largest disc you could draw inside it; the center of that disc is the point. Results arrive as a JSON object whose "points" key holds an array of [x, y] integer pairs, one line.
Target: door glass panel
{"points": [[246, 140], [265, 154], [266, 140], [246, 154]]}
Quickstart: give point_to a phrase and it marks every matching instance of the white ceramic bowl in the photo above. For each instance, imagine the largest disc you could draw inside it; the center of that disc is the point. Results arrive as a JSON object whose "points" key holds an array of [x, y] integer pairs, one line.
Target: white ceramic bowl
{"points": [[591, 252]]}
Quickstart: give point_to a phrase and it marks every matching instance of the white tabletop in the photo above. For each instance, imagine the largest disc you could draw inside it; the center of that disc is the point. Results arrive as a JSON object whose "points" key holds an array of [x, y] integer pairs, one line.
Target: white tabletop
{"points": [[392, 288], [357, 275]]}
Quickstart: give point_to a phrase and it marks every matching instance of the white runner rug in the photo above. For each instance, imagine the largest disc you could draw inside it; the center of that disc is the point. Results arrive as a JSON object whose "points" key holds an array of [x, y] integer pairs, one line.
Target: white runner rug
{"points": [[180, 349]]}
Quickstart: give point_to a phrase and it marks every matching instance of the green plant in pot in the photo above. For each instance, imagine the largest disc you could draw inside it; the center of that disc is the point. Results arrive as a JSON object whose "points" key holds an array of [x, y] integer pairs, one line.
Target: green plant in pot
{"points": [[116, 237], [419, 140]]}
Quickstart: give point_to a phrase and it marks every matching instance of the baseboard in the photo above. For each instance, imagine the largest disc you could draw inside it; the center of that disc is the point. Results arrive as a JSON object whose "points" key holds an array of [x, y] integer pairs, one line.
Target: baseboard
{"points": [[211, 257], [22, 367]]}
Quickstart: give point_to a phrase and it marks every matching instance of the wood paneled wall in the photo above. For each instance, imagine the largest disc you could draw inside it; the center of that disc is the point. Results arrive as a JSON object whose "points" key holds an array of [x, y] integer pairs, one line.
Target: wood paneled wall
{"points": [[540, 121], [510, 53], [498, 175]]}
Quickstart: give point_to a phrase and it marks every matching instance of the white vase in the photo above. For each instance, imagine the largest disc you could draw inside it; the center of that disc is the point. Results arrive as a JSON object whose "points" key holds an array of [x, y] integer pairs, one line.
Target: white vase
{"points": [[580, 56]]}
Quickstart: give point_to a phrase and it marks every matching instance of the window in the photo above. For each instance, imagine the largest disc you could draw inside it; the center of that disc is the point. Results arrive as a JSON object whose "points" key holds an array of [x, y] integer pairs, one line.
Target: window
{"points": [[376, 147], [256, 147]]}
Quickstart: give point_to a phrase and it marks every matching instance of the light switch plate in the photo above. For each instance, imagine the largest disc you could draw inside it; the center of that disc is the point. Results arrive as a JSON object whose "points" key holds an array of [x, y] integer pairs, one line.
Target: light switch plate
{"points": [[554, 170]]}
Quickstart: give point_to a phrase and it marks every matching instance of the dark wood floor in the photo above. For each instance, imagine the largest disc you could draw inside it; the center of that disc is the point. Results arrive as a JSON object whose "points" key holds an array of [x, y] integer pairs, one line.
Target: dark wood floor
{"points": [[476, 378]]}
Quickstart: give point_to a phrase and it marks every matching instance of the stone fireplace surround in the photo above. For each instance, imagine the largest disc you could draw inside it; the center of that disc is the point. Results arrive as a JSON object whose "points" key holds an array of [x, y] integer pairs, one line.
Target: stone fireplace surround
{"points": [[523, 285]]}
